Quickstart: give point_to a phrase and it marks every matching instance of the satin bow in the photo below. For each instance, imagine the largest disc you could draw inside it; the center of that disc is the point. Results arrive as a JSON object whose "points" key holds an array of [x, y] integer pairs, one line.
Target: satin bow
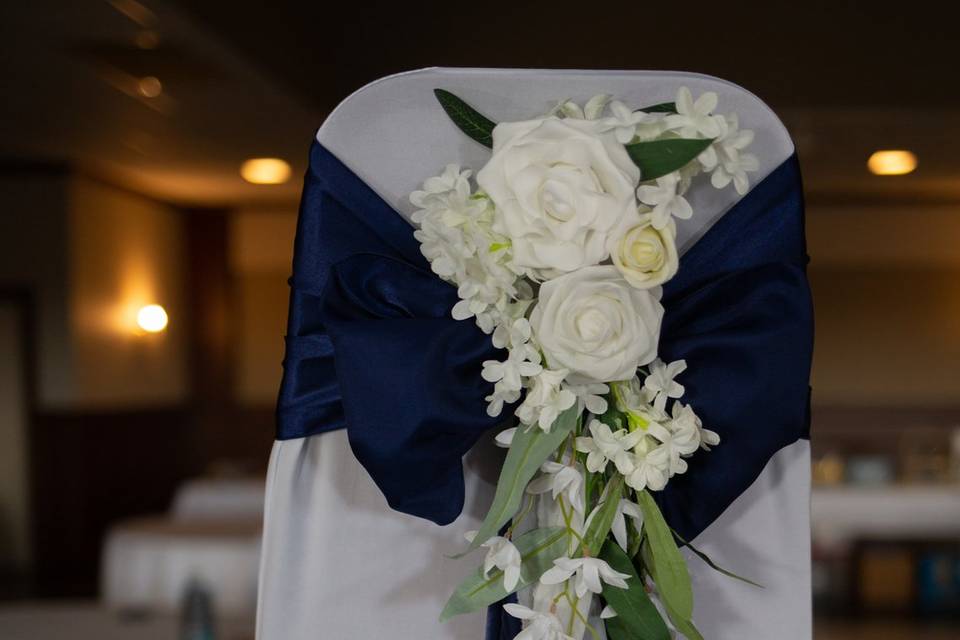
{"points": [[372, 348]]}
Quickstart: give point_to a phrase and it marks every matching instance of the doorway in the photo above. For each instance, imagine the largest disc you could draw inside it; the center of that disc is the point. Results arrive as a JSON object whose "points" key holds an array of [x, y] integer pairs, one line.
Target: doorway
{"points": [[15, 507]]}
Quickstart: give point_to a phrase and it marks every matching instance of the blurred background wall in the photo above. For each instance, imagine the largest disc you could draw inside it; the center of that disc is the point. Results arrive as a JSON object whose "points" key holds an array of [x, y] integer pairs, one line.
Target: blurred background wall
{"points": [[123, 128]]}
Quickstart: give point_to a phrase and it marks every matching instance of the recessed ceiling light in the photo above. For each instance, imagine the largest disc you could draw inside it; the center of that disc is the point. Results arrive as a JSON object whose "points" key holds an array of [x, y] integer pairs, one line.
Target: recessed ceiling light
{"points": [[150, 87], [265, 171], [892, 162]]}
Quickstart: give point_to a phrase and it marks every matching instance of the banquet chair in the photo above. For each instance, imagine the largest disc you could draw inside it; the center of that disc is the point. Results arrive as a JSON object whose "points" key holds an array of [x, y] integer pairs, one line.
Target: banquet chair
{"points": [[338, 562]]}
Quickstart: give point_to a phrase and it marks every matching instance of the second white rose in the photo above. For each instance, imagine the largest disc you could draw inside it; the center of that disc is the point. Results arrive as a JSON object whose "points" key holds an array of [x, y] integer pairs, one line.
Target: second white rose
{"points": [[593, 323]]}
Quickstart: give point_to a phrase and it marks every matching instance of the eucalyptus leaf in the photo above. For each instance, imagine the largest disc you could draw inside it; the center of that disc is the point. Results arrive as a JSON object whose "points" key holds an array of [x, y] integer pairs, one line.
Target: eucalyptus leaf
{"points": [[603, 517], [665, 563], [468, 119], [530, 448], [538, 549], [657, 158], [713, 565], [663, 107], [637, 617]]}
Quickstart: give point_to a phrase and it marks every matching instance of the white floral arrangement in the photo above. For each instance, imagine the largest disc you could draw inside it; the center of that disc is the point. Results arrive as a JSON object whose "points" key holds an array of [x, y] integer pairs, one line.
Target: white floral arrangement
{"points": [[558, 252]]}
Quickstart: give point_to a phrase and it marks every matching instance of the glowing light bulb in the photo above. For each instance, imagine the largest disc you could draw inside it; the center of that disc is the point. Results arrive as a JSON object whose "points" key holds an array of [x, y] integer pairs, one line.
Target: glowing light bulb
{"points": [[152, 318], [265, 171], [892, 162]]}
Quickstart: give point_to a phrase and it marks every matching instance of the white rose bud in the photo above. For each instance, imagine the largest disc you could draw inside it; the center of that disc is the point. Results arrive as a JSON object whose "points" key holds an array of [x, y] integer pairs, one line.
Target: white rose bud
{"points": [[562, 190], [646, 256], [593, 323]]}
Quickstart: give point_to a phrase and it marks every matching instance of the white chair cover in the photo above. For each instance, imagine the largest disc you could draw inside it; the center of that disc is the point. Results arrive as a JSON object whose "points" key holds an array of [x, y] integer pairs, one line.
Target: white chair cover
{"points": [[338, 563]]}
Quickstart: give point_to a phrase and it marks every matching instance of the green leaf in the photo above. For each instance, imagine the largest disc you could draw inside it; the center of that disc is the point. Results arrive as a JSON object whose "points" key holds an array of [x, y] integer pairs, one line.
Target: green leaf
{"points": [[538, 549], [637, 617], [663, 107], [468, 119], [613, 417], [530, 448], [713, 565], [660, 157], [666, 564], [683, 625], [603, 518]]}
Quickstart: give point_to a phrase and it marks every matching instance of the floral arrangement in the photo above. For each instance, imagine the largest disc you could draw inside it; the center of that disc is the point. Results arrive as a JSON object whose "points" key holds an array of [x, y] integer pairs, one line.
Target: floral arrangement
{"points": [[558, 251]]}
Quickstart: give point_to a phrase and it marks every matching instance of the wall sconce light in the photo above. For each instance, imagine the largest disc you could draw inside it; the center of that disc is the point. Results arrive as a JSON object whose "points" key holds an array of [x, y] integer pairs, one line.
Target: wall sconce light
{"points": [[892, 162], [152, 318]]}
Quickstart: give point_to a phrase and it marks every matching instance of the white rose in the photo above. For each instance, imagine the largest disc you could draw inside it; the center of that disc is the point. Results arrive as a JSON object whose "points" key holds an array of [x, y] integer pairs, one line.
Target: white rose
{"points": [[593, 323], [561, 189], [647, 256]]}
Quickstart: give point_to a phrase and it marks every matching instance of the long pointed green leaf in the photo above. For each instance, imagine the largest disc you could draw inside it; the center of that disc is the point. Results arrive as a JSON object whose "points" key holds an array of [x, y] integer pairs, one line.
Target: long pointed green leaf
{"points": [[683, 625], [713, 565], [530, 448], [659, 157], [637, 617], [666, 564], [538, 549], [468, 119], [603, 518]]}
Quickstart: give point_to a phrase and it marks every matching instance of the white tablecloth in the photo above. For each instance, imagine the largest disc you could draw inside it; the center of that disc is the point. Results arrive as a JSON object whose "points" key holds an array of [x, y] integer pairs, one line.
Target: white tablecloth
{"points": [[840, 515], [219, 499], [81, 620], [148, 563]]}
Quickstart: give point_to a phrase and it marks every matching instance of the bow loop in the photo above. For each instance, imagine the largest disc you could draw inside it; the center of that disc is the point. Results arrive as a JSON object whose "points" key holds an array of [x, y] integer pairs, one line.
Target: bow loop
{"points": [[373, 286], [411, 393]]}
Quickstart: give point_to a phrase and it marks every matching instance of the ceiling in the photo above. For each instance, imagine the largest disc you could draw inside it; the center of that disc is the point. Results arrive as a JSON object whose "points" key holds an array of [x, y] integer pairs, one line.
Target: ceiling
{"points": [[793, 54], [244, 79], [69, 78]]}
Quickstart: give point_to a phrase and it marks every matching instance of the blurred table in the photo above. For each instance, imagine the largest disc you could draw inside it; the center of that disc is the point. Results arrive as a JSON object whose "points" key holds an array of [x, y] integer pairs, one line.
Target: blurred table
{"points": [[80, 620], [842, 514], [148, 563], [219, 499]]}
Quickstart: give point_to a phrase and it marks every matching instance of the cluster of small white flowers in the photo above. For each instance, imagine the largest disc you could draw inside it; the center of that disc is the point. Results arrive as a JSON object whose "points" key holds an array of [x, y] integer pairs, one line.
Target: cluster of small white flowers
{"points": [[456, 236], [653, 446], [724, 159]]}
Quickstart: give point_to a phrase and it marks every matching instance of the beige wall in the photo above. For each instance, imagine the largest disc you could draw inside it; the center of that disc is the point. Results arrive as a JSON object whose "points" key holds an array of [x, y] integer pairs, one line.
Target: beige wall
{"points": [[261, 251], [125, 251], [886, 285], [887, 337], [894, 236], [90, 255]]}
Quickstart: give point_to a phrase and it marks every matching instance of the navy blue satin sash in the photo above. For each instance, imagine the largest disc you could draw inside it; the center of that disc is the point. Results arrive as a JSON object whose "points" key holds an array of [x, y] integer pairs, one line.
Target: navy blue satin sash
{"points": [[371, 347]]}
